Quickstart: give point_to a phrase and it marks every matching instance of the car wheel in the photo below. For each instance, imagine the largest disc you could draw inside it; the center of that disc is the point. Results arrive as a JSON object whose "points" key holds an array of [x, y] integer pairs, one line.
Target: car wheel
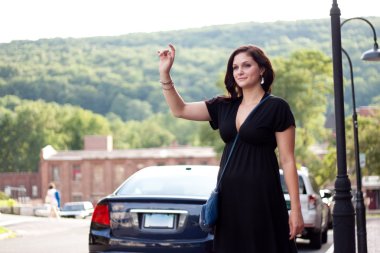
{"points": [[316, 240], [329, 220], [324, 236]]}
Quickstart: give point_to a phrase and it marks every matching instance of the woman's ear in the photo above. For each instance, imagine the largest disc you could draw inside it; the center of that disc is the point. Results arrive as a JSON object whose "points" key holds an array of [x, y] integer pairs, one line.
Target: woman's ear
{"points": [[262, 71]]}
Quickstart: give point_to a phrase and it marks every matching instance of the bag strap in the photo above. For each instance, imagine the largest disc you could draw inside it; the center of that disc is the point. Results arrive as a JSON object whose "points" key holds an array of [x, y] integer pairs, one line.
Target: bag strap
{"points": [[235, 140]]}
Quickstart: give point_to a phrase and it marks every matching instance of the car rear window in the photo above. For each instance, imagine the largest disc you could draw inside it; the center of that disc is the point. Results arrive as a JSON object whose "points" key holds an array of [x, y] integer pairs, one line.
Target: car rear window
{"points": [[77, 207], [196, 184], [301, 184]]}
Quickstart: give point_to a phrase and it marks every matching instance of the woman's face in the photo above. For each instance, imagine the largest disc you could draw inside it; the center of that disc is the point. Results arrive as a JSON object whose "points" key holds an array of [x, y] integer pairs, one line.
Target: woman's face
{"points": [[246, 71]]}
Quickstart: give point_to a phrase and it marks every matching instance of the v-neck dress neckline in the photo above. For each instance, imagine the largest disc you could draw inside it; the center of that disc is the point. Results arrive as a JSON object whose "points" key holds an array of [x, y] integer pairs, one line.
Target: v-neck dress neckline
{"points": [[249, 114]]}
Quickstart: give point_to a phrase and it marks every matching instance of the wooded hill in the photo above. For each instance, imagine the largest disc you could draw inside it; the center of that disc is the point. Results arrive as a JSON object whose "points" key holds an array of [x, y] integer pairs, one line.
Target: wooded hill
{"points": [[119, 74]]}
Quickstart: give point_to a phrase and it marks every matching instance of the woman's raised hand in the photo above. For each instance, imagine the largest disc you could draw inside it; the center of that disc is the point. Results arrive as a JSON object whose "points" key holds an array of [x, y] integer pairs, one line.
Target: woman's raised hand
{"points": [[166, 59]]}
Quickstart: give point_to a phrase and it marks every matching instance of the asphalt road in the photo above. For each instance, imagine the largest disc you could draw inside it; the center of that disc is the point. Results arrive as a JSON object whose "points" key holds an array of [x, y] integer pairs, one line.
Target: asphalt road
{"points": [[40, 235], [303, 246]]}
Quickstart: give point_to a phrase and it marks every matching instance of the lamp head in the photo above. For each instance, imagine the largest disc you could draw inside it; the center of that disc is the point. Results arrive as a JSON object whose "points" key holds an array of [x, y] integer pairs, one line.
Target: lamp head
{"points": [[372, 54]]}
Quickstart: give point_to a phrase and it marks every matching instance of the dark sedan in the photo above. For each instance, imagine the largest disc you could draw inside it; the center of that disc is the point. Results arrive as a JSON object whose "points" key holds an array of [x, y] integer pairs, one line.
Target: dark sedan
{"points": [[155, 210]]}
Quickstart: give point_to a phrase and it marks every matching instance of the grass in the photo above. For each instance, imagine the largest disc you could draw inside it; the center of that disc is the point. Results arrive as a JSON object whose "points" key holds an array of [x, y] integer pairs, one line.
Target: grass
{"points": [[4, 231]]}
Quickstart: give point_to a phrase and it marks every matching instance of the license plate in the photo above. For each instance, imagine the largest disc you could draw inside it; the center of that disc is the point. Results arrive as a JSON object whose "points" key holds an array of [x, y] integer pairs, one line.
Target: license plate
{"points": [[157, 220]]}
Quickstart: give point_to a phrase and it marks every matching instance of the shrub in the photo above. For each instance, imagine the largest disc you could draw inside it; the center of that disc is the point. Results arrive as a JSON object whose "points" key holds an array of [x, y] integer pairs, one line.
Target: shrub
{"points": [[3, 196]]}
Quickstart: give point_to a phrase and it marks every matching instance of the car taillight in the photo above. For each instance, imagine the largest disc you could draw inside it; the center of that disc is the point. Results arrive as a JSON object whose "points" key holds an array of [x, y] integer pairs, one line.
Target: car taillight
{"points": [[101, 215], [312, 202]]}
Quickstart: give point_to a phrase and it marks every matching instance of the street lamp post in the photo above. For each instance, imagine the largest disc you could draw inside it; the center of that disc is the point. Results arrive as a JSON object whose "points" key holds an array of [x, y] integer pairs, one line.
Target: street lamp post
{"points": [[344, 217], [361, 231]]}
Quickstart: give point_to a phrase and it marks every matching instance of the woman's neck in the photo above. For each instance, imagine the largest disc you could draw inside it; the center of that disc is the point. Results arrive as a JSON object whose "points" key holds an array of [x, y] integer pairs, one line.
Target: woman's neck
{"points": [[252, 96]]}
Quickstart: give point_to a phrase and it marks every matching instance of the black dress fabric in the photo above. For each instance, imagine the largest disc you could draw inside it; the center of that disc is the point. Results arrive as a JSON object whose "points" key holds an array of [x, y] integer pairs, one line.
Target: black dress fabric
{"points": [[253, 213]]}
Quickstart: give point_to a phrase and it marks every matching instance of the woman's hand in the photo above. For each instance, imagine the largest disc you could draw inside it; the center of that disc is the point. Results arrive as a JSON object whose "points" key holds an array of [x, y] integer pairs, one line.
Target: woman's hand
{"points": [[166, 59], [295, 223]]}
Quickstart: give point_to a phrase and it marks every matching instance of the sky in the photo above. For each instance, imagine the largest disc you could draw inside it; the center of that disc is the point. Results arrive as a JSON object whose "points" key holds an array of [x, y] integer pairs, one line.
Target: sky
{"points": [[37, 19]]}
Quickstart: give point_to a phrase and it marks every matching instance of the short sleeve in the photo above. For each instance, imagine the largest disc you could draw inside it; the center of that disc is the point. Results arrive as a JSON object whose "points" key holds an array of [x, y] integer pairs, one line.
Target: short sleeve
{"points": [[284, 117], [213, 109]]}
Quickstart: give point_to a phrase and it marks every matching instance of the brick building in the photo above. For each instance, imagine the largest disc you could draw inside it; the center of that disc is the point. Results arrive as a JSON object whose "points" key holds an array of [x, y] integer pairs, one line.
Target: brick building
{"points": [[97, 170], [19, 185]]}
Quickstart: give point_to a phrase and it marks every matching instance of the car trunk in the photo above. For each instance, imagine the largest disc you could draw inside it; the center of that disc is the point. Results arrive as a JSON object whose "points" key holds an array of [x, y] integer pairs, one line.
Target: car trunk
{"points": [[155, 218]]}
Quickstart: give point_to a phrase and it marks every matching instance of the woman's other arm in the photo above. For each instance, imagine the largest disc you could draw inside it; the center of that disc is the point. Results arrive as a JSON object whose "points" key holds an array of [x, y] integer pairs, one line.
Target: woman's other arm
{"points": [[285, 143], [178, 107]]}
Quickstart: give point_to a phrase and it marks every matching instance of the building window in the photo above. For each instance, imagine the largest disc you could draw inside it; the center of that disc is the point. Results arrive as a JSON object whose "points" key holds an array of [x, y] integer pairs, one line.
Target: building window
{"points": [[76, 173], [55, 173], [34, 191]]}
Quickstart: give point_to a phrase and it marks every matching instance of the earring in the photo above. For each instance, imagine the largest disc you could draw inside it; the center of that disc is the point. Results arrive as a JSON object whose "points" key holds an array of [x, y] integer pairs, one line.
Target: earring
{"points": [[262, 80]]}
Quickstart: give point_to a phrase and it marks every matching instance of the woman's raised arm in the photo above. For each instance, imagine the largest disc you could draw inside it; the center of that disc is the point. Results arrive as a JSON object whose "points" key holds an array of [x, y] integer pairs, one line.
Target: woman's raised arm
{"points": [[178, 107]]}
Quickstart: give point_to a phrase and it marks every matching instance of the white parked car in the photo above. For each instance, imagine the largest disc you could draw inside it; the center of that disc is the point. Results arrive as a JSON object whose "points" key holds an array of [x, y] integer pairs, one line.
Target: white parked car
{"points": [[314, 211], [80, 209]]}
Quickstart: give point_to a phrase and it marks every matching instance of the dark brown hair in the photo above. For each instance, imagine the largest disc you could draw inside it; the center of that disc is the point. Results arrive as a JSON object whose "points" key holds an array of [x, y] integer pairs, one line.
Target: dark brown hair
{"points": [[262, 60]]}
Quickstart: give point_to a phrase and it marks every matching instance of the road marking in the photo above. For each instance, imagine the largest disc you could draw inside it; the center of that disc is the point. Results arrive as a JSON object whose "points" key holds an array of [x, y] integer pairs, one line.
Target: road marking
{"points": [[331, 249]]}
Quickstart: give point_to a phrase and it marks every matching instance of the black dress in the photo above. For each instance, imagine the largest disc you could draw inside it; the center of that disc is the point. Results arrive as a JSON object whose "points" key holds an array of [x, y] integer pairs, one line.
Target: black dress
{"points": [[253, 213]]}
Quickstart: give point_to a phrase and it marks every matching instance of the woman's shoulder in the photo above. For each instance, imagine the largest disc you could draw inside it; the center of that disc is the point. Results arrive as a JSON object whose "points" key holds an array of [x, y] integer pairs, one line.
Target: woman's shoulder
{"points": [[223, 100], [52, 191], [278, 104], [275, 100]]}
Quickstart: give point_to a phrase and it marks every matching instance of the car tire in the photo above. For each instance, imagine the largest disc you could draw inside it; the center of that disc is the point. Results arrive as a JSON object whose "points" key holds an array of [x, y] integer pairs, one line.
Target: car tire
{"points": [[330, 224], [324, 236], [316, 240]]}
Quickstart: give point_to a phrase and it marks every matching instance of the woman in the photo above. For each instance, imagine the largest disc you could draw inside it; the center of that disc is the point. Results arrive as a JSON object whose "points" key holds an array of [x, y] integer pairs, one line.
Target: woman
{"points": [[253, 216], [51, 199]]}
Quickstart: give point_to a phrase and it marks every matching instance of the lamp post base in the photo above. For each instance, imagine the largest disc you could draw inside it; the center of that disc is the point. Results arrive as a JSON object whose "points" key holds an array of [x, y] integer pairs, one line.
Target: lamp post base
{"points": [[361, 230], [344, 217]]}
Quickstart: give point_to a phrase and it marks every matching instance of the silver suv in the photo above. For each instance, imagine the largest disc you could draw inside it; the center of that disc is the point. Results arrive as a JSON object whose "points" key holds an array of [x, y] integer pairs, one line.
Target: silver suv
{"points": [[314, 211]]}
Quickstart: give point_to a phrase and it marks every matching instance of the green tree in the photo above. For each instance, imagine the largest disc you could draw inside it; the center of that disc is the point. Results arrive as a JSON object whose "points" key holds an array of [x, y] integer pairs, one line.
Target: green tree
{"points": [[146, 135], [324, 170], [31, 125], [8, 141], [137, 110], [305, 81], [78, 123], [185, 131], [369, 144]]}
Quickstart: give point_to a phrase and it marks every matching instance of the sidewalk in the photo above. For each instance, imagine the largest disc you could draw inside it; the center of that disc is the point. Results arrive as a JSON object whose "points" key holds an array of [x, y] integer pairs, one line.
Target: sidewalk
{"points": [[373, 233]]}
